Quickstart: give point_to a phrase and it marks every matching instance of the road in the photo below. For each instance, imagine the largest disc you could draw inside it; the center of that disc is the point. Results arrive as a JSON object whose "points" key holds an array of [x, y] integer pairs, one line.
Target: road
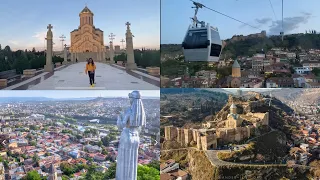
{"points": [[107, 77], [212, 156]]}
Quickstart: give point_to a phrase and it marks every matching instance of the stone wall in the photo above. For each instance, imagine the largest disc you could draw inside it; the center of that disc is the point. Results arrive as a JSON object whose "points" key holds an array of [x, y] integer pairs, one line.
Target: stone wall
{"points": [[170, 133], [209, 142], [188, 136], [203, 138], [208, 138], [229, 135]]}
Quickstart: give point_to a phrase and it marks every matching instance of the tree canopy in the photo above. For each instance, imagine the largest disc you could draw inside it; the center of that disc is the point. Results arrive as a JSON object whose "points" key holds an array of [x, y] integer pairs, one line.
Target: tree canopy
{"points": [[144, 58], [32, 175], [21, 60]]}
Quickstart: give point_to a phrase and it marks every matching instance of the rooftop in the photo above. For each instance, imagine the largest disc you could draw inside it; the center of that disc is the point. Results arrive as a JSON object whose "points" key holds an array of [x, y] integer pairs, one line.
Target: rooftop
{"points": [[86, 10], [235, 64]]}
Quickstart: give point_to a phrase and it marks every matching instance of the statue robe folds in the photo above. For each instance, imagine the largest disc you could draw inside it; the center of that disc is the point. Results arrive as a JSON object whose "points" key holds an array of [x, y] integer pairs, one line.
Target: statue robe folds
{"points": [[130, 122]]}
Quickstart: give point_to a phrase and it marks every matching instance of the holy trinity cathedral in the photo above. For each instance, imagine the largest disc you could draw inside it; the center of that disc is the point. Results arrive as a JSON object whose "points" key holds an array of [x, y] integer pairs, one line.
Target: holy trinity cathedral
{"points": [[87, 40]]}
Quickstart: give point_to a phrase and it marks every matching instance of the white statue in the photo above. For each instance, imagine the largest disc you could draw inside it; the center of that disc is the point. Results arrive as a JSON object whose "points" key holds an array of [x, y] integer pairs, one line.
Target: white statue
{"points": [[130, 122]]}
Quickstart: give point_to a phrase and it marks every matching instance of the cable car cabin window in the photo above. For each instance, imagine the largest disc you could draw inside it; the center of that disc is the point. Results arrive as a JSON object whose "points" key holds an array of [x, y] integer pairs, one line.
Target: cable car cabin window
{"points": [[215, 44], [215, 50], [215, 37], [196, 40]]}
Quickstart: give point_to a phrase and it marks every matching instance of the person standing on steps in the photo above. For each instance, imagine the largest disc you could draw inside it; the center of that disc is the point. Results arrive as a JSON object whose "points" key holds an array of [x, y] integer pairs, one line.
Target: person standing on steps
{"points": [[90, 70], [76, 59]]}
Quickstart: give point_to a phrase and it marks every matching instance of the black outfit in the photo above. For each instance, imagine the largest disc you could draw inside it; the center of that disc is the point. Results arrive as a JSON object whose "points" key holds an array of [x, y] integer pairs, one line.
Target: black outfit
{"points": [[91, 77], [76, 60]]}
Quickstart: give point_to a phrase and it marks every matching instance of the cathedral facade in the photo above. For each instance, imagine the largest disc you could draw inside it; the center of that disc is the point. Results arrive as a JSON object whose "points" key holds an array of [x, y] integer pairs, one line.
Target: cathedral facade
{"points": [[87, 41]]}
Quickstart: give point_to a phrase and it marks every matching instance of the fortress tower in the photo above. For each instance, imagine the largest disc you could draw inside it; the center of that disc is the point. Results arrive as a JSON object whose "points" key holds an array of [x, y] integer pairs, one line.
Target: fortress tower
{"points": [[233, 120]]}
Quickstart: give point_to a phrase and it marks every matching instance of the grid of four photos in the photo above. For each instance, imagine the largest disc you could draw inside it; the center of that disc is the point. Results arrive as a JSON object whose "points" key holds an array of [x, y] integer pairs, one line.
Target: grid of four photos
{"points": [[159, 90]]}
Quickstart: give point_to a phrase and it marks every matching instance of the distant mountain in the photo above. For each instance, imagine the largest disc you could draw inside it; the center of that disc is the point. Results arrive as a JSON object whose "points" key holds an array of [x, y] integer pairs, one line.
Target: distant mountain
{"points": [[299, 96], [43, 99], [219, 90], [23, 99], [252, 45], [178, 90], [191, 90]]}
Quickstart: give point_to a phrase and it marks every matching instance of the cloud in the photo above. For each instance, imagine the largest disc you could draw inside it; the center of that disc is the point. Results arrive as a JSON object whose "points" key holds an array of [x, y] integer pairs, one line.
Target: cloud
{"points": [[40, 35], [289, 23], [263, 20], [260, 22], [14, 42]]}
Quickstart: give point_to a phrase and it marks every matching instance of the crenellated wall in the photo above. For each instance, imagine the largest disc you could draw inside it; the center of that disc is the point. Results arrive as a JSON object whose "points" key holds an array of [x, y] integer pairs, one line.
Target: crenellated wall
{"points": [[208, 138]]}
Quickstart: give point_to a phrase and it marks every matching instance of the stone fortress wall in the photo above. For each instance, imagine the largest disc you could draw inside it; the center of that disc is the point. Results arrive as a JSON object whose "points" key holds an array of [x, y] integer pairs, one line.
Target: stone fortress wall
{"points": [[205, 139], [233, 130], [242, 37]]}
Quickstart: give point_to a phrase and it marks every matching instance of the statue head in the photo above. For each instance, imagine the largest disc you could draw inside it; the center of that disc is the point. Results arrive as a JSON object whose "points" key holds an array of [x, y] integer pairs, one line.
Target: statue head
{"points": [[138, 116], [134, 95]]}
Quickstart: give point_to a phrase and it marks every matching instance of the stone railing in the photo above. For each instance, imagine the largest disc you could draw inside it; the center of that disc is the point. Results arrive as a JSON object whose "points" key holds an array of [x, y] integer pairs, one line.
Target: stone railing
{"points": [[29, 73], [58, 64], [3, 82], [154, 71]]}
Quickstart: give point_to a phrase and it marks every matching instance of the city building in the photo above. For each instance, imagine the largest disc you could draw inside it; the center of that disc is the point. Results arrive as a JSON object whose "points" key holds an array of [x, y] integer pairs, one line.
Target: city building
{"points": [[87, 41]]}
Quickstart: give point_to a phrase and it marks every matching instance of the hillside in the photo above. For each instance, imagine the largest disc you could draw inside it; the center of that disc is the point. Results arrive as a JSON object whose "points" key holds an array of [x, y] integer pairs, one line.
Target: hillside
{"points": [[299, 96], [270, 147], [189, 105], [250, 46]]}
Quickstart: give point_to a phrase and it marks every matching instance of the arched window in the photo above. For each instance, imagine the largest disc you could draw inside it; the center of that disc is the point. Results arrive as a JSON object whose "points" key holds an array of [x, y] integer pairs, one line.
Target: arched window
{"points": [[89, 20]]}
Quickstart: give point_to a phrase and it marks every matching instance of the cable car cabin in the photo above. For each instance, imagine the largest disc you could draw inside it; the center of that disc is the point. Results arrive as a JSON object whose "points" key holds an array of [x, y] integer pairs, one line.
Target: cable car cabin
{"points": [[202, 44]]}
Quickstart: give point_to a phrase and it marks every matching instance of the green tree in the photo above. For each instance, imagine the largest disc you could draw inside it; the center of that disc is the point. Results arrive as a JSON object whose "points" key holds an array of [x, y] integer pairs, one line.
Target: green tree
{"points": [[22, 62], [104, 152], [100, 144], [67, 169], [148, 173], [120, 57], [154, 164], [316, 71], [32, 175], [111, 172], [35, 158], [33, 143]]}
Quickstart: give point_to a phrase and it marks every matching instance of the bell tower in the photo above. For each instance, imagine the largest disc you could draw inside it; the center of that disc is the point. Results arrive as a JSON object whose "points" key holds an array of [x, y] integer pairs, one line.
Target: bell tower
{"points": [[233, 109], [86, 17]]}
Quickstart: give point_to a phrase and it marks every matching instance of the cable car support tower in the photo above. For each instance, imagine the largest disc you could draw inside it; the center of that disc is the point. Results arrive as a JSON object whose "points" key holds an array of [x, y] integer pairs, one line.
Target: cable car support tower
{"points": [[195, 18]]}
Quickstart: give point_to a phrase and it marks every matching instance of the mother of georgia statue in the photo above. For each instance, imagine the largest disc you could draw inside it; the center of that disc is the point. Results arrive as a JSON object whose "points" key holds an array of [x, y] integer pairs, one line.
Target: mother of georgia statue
{"points": [[130, 122]]}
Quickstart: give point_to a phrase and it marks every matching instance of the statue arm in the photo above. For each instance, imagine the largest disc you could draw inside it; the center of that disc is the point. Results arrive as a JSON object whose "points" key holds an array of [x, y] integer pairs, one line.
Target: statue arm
{"points": [[122, 120]]}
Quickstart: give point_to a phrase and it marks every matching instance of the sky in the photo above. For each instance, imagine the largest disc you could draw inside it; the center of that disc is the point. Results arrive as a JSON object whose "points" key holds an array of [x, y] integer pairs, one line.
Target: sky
{"points": [[298, 16], [76, 94], [24, 23]]}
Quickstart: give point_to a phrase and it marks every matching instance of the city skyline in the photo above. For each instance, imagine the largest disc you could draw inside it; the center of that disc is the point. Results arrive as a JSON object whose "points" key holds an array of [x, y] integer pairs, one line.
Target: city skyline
{"points": [[298, 17], [26, 28], [62, 94]]}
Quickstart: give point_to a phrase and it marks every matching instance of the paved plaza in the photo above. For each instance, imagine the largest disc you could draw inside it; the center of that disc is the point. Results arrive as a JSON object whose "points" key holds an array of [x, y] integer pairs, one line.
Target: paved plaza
{"points": [[106, 77]]}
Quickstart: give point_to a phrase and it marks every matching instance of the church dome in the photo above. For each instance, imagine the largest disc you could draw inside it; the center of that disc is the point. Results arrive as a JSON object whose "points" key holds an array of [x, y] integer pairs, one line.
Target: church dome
{"points": [[86, 10], [235, 64]]}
